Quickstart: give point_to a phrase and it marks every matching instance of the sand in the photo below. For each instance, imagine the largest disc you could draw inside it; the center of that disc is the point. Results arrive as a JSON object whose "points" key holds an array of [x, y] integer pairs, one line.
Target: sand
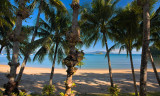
{"points": [[87, 81]]}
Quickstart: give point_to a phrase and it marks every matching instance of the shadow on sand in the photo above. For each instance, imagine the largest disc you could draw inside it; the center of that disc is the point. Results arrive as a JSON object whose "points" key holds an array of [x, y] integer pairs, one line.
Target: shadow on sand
{"points": [[85, 83]]}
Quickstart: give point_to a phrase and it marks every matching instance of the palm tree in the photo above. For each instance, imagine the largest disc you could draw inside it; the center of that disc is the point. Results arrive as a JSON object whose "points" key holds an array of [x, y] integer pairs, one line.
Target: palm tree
{"points": [[54, 44], [22, 13], [74, 56], [155, 35], [61, 28], [7, 21], [41, 3], [125, 30], [145, 45], [95, 25], [43, 7], [154, 67]]}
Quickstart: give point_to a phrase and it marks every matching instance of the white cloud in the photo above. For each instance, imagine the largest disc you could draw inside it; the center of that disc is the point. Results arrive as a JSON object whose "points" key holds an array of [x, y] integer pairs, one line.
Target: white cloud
{"points": [[134, 51]]}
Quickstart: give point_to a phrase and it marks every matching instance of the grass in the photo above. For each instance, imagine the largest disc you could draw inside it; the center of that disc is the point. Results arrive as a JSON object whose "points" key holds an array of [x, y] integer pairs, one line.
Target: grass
{"points": [[122, 94]]}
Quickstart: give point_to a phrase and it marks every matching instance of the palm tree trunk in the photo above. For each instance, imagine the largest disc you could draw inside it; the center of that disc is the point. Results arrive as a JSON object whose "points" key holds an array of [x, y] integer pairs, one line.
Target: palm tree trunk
{"points": [[1, 49], [72, 41], [27, 56], [53, 65], [22, 69], [37, 22], [145, 46], [109, 62], [68, 83], [133, 74], [154, 67], [12, 85], [14, 61]]}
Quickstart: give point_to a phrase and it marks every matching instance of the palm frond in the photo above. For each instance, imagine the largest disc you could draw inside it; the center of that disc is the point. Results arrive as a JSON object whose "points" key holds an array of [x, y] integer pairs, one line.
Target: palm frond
{"points": [[40, 54]]}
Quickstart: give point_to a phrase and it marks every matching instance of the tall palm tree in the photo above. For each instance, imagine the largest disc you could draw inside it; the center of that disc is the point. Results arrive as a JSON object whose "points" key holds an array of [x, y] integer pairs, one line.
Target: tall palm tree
{"points": [[74, 56], [41, 3], [95, 25], [7, 21], [42, 7], [62, 24], [22, 13], [155, 39], [54, 42], [145, 45], [125, 30]]}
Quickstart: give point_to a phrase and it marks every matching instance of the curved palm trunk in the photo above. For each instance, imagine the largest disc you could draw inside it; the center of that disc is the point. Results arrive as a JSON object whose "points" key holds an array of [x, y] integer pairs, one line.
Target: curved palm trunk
{"points": [[154, 67], [12, 86], [109, 62], [53, 65], [133, 74], [27, 56], [1, 49], [22, 69], [145, 46], [37, 22]]}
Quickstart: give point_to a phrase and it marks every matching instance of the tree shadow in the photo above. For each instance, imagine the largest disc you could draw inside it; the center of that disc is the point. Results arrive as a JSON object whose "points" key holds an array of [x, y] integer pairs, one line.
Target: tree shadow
{"points": [[85, 82]]}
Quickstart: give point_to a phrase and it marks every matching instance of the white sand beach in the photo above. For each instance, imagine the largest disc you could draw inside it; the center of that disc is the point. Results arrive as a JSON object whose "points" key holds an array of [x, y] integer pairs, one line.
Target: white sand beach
{"points": [[87, 81]]}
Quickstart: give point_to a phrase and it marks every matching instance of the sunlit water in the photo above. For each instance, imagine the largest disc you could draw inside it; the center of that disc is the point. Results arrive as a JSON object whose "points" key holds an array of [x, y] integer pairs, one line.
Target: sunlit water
{"points": [[92, 61]]}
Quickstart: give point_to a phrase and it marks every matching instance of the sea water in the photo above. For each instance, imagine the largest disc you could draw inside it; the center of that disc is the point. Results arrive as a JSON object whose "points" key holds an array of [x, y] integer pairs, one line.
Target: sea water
{"points": [[91, 61]]}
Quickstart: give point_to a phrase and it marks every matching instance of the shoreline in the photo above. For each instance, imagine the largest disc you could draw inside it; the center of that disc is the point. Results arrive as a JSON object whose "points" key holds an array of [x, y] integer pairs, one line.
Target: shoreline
{"points": [[87, 80], [1, 65]]}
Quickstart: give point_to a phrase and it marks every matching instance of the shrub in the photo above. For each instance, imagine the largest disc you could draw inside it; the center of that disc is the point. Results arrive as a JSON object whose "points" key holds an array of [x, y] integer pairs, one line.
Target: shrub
{"points": [[61, 94], [23, 94], [114, 90], [48, 90], [1, 93], [20, 94]]}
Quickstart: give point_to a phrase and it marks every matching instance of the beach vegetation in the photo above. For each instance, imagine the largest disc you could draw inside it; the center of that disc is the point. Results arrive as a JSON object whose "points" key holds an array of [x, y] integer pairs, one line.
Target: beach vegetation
{"points": [[155, 40], [1, 93], [114, 90], [52, 41], [48, 90], [125, 27], [43, 7], [62, 94], [40, 3], [7, 22], [145, 46], [155, 51], [135, 26], [74, 56], [94, 25], [22, 12]]}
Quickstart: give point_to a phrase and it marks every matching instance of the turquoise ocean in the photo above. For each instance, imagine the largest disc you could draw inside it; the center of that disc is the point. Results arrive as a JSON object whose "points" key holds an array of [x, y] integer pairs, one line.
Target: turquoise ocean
{"points": [[91, 61]]}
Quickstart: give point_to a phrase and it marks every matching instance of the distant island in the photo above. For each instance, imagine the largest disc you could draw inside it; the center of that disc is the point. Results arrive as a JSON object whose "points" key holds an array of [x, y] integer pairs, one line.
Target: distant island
{"points": [[96, 52], [99, 53]]}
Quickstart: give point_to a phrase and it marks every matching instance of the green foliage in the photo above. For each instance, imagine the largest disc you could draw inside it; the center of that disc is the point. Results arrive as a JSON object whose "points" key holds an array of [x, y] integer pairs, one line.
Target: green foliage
{"points": [[94, 21], [20, 94], [114, 90], [121, 94], [48, 90], [13, 94], [62, 94], [80, 64], [73, 84], [1, 93], [155, 51]]}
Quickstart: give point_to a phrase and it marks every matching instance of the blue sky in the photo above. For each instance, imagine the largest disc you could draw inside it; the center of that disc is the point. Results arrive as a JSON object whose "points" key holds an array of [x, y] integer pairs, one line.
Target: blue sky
{"points": [[98, 47]]}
